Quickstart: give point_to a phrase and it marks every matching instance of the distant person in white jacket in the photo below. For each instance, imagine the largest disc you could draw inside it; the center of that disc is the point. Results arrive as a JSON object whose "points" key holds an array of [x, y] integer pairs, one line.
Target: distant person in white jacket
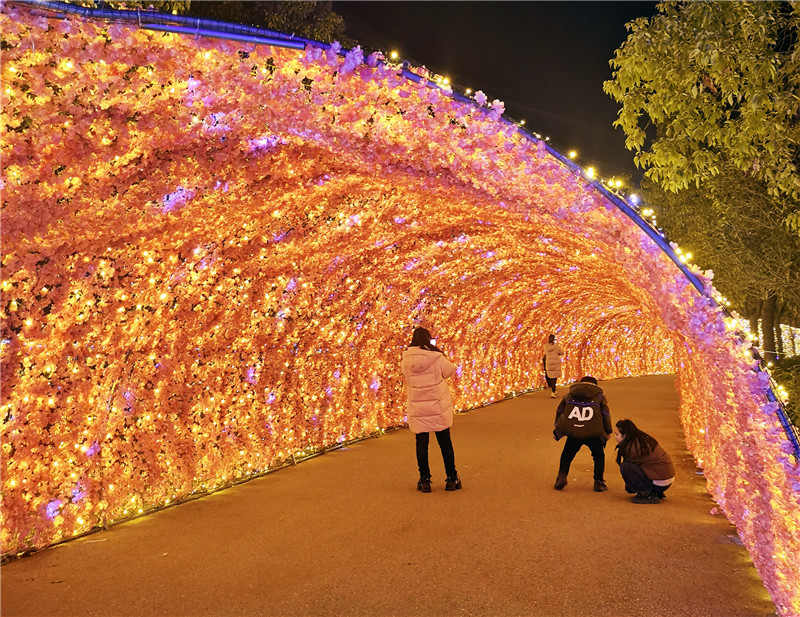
{"points": [[552, 363], [430, 407]]}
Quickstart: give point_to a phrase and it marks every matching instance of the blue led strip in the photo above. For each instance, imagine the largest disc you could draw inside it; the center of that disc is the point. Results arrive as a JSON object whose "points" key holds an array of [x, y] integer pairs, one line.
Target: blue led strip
{"points": [[164, 22], [180, 24]]}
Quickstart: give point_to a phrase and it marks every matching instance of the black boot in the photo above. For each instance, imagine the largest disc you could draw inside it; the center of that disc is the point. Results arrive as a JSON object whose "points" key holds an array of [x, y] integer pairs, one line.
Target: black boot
{"points": [[646, 497], [452, 484]]}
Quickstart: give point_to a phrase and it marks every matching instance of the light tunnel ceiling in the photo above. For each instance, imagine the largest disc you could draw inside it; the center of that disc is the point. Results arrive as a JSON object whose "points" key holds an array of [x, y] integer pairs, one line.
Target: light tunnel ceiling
{"points": [[218, 257], [213, 259], [252, 194]]}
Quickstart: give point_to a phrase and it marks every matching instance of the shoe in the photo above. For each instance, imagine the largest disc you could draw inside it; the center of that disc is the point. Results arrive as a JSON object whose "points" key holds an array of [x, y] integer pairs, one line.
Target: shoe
{"points": [[661, 495], [600, 486], [561, 482], [424, 485], [646, 498], [452, 484], [552, 395]]}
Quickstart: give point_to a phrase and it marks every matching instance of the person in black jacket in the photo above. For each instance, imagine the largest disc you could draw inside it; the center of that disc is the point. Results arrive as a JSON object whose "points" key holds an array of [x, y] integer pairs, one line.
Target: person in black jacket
{"points": [[584, 418]]}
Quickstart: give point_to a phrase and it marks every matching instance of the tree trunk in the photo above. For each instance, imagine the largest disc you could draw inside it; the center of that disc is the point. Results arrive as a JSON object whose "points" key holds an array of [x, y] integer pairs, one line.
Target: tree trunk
{"points": [[753, 316], [768, 328]]}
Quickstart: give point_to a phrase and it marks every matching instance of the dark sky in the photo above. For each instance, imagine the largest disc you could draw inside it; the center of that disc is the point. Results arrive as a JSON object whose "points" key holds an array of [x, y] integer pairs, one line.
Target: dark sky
{"points": [[545, 60]]}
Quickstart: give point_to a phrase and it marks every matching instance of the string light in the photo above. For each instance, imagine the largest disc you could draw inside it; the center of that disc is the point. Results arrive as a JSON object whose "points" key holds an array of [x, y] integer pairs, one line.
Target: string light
{"points": [[371, 219]]}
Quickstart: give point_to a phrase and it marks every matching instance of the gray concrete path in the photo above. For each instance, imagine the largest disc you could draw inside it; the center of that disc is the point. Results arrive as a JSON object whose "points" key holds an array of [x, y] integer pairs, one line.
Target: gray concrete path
{"points": [[347, 534]]}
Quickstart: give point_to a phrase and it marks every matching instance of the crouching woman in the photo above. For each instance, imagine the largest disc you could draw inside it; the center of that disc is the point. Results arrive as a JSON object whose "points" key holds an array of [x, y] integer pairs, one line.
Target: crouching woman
{"points": [[645, 466]]}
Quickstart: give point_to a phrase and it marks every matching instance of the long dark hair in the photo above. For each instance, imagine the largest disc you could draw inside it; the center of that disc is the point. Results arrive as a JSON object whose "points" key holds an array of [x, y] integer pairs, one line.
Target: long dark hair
{"points": [[422, 338], [632, 435]]}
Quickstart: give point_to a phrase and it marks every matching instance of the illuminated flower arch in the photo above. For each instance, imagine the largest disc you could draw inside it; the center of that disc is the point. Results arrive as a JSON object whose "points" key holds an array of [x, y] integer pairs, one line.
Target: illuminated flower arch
{"points": [[214, 256]]}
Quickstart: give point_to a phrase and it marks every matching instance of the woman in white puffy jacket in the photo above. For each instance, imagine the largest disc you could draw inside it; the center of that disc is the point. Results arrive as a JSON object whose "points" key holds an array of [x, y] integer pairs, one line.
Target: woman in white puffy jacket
{"points": [[430, 407], [552, 363]]}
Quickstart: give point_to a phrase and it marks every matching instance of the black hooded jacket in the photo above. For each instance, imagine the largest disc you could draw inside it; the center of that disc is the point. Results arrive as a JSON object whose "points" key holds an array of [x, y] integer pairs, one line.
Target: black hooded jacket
{"points": [[589, 392]]}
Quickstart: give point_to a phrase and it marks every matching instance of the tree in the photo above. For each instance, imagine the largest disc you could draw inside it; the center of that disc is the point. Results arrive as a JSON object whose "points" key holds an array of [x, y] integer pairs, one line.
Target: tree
{"points": [[312, 20], [710, 86], [176, 7], [307, 19], [734, 228]]}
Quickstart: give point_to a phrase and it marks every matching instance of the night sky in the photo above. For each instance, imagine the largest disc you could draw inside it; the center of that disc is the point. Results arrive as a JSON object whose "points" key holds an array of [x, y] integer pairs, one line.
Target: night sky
{"points": [[545, 60]]}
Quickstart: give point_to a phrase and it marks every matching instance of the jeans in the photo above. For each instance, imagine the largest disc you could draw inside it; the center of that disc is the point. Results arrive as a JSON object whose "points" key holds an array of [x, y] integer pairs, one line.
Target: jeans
{"points": [[636, 481], [596, 446], [445, 444]]}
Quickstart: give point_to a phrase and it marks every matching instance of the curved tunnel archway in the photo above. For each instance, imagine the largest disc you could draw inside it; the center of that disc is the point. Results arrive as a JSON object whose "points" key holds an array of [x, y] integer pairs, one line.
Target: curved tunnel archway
{"points": [[214, 257]]}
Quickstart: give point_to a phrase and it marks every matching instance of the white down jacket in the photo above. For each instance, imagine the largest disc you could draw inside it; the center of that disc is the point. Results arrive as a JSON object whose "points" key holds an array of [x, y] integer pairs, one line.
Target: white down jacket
{"points": [[430, 407], [553, 352]]}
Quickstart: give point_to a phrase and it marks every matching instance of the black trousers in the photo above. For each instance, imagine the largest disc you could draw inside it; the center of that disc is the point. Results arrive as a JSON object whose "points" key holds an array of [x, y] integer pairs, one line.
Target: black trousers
{"points": [[636, 481], [551, 382], [446, 446], [597, 447]]}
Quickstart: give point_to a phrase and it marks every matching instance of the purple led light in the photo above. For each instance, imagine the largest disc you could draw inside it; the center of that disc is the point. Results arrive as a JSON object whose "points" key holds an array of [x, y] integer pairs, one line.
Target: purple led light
{"points": [[52, 509], [176, 199]]}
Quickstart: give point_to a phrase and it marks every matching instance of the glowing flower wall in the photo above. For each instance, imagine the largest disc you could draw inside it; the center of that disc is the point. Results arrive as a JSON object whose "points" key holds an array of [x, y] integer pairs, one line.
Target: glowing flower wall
{"points": [[212, 260]]}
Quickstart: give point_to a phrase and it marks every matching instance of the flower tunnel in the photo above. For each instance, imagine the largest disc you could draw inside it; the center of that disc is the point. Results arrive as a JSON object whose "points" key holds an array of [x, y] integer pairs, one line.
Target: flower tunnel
{"points": [[214, 254]]}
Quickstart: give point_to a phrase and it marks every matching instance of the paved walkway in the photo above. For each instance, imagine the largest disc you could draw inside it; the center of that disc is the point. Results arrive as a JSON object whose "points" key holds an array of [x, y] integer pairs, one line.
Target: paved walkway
{"points": [[347, 534]]}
